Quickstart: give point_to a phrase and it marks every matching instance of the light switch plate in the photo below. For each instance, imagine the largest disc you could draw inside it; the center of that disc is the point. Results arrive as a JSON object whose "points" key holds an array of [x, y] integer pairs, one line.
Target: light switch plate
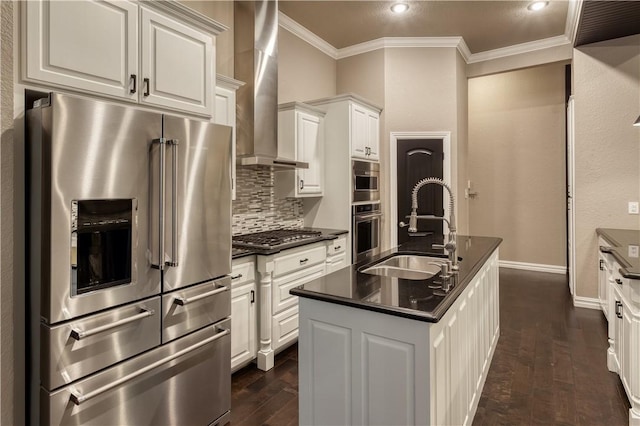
{"points": [[633, 207], [633, 250]]}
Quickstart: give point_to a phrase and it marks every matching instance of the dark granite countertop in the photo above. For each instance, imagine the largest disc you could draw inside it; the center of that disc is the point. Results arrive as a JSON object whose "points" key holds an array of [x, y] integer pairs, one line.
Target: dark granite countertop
{"points": [[621, 240], [349, 287], [326, 234]]}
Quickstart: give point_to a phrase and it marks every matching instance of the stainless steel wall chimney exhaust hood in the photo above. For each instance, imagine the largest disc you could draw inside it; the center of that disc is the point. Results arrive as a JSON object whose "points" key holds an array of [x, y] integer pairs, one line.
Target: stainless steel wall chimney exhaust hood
{"points": [[255, 62]]}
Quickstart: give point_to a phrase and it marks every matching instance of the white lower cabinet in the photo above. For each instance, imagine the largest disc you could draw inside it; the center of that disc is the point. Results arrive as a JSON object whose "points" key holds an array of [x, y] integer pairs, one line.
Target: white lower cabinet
{"points": [[624, 349], [243, 312], [362, 367], [278, 273], [337, 254]]}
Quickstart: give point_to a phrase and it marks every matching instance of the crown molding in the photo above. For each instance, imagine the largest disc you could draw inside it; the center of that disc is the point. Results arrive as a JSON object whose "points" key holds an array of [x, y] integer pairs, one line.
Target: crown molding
{"points": [[518, 49], [391, 42], [301, 32], [573, 14]]}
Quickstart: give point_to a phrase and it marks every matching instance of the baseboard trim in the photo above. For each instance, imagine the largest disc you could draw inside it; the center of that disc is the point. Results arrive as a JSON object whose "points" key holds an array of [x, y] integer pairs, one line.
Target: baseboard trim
{"points": [[536, 267], [586, 302]]}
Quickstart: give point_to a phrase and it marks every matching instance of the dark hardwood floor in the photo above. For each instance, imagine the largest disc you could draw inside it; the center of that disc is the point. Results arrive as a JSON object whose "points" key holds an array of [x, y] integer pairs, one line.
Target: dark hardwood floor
{"points": [[549, 366]]}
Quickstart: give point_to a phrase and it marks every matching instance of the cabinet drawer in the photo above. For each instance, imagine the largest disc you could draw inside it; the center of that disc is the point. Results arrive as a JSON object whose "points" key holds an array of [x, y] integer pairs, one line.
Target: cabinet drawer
{"points": [[242, 271], [285, 327], [299, 258], [189, 309], [337, 246], [76, 349], [282, 299]]}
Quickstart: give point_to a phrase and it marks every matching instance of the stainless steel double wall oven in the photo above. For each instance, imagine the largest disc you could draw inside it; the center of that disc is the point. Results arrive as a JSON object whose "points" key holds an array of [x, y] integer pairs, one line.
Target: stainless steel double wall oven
{"points": [[129, 257], [365, 210]]}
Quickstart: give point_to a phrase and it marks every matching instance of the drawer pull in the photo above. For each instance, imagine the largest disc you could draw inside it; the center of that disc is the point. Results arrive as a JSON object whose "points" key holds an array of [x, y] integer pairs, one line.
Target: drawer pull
{"points": [[337, 247], [303, 261], [619, 281], [185, 301], [78, 397], [81, 334], [601, 267], [618, 309], [235, 277]]}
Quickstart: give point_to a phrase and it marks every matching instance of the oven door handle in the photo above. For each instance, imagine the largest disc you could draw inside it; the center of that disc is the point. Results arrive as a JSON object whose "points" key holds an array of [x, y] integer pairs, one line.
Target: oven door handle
{"points": [[78, 334], [360, 218], [78, 397]]}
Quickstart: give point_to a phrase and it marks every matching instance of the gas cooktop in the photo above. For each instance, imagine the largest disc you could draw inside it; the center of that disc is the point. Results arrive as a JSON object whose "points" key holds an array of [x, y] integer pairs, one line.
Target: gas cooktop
{"points": [[274, 239]]}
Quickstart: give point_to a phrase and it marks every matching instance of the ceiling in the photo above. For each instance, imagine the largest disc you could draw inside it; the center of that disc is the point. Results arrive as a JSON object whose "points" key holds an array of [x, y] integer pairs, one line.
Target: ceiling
{"points": [[485, 25]]}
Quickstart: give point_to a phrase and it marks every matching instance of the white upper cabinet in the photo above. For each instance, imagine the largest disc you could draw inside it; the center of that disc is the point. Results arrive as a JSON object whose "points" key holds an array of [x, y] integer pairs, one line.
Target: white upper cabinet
{"points": [[365, 132], [84, 45], [225, 113], [160, 54], [300, 137], [177, 65]]}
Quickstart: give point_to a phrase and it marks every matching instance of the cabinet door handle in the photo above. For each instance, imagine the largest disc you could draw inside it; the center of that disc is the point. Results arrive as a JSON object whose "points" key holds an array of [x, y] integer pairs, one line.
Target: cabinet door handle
{"points": [[146, 86], [134, 81], [301, 183], [619, 281], [235, 277], [303, 261], [601, 267], [253, 296], [618, 309]]}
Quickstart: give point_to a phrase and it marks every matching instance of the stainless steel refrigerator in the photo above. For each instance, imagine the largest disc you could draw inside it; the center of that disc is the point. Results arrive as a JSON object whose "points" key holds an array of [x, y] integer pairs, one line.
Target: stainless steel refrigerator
{"points": [[129, 256]]}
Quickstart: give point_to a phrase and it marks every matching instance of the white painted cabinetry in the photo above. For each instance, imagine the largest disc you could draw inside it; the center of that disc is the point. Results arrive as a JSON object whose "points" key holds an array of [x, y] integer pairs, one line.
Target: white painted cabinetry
{"points": [[161, 54], [337, 254], [225, 113], [605, 262], [624, 349], [362, 367], [300, 137], [279, 273], [365, 132], [243, 312]]}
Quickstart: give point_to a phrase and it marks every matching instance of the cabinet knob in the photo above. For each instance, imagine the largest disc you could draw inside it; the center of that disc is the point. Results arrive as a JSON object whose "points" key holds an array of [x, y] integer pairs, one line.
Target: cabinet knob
{"points": [[619, 281]]}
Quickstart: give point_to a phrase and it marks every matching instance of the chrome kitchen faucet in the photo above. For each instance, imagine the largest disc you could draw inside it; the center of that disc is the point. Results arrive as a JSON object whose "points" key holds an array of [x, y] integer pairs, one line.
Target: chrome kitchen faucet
{"points": [[451, 245]]}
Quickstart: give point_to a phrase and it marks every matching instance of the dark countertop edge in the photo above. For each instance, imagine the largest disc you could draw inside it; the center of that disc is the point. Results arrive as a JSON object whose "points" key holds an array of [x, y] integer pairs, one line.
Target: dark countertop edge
{"points": [[621, 258], [241, 255], [437, 314], [327, 235]]}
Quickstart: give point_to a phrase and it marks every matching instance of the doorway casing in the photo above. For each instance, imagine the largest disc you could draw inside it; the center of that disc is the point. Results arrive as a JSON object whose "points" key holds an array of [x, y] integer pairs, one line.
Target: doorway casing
{"points": [[393, 173]]}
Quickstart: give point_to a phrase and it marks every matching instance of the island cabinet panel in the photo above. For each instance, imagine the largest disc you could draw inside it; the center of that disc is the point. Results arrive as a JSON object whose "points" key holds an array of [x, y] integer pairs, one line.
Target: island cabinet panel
{"points": [[332, 372], [359, 366]]}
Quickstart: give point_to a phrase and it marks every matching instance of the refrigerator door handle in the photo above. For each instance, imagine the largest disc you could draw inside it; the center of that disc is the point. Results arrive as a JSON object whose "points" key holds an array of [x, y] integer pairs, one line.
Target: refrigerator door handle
{"points": [[174, 203], [182, 301], [78, 397], [161, 194], [79, 334]]}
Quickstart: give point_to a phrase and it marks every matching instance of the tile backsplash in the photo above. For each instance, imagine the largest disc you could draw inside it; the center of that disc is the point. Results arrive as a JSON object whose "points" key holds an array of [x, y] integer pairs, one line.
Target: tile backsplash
{"points": [[256, 207]]}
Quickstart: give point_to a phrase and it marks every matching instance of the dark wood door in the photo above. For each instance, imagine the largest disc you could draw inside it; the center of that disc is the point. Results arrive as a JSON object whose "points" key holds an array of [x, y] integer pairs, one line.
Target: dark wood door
{"points": [[418, 159]]}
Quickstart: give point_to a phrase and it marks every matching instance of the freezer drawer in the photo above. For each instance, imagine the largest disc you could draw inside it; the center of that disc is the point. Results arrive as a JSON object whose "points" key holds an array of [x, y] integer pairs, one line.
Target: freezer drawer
{"points": [[187, 382], [75, 349], [189, 309]]}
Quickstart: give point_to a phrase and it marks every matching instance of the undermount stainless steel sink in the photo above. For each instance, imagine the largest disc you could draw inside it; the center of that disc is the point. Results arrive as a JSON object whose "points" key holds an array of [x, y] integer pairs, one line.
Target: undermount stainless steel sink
{"points": [[407, 267]]}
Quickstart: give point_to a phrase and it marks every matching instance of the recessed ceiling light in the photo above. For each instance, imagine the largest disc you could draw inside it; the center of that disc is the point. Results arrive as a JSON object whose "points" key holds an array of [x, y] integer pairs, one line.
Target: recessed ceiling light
{"points": [[399, 7], [538, 5]]}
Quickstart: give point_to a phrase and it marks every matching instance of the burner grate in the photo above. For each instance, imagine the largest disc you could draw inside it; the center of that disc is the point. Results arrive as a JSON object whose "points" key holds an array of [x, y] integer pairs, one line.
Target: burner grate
{"points": [[274, 238]]}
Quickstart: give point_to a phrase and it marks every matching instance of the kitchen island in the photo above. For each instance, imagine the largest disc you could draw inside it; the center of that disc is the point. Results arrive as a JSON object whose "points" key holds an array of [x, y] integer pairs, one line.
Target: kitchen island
{"points": [[381, 350]]}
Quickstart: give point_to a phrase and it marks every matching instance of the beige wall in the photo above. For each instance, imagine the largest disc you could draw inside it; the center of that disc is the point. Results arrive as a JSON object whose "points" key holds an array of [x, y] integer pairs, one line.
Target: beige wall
{"points": [[607, 101], [222, 12], [422, 94], [517, 162], [11, 397], [304, 72]]}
